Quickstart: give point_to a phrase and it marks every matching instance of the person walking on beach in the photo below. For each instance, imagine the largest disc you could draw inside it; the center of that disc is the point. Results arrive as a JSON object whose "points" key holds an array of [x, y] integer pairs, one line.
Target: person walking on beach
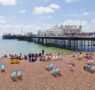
{"points": [[29, 57], [43, 52]]}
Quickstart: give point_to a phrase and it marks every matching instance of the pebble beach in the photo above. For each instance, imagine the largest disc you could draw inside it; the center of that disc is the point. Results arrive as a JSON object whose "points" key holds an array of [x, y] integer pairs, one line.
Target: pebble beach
{"points": [[36, 77]]}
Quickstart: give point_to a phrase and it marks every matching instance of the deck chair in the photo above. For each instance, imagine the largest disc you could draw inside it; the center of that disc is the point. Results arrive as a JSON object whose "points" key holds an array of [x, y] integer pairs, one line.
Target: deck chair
{"points": [[55, 71], [89, 68], [14, 75], [2, 67], [49, 66], [19, 74]]}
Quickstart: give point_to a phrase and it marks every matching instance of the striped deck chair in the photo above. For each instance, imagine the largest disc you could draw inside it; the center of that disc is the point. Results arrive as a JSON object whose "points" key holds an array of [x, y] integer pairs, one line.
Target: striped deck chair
{"points": [[90, 68], [2, 67], [14, 75], [55, 71], [49, 66], [19, 74]]}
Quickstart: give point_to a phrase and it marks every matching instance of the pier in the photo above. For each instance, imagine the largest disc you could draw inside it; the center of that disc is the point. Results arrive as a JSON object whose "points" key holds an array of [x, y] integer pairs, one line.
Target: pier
{"points": [[76, 43], [18, 37], [71, 43]]}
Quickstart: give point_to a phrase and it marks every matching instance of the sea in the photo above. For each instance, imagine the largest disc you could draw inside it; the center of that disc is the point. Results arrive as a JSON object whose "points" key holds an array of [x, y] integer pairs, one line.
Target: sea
{"points": [[16, 47]]}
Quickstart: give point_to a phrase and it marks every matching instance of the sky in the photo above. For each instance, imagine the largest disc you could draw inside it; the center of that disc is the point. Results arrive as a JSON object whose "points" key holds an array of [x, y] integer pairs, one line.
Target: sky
{"points": [[22, 16]]}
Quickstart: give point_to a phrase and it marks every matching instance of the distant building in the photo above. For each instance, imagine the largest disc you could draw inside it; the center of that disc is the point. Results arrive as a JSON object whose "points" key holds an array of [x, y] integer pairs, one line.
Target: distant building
{"points": [[61, 30]]}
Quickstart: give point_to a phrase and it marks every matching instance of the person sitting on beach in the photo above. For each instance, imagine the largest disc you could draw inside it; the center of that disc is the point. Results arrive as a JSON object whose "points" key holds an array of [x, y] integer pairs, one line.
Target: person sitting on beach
{"points": [[70, 66], [25, 57], [79, 57], [50, 56], [5, 56], [46, 56], [80, 52], [40, 56], [19, 57], [12, 57], [73, 55], [56, 57], [36, 57], [60, 56], [43, 57], [90, 61]]}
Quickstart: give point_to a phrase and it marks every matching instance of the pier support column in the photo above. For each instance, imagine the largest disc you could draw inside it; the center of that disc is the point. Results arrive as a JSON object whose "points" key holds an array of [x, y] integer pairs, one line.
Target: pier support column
{"points": [[84, 45]]}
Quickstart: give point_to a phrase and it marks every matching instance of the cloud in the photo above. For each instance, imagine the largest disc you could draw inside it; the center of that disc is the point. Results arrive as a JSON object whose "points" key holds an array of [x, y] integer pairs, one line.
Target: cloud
{"points": [[80, 14], [70, 1], [8, 2], [45, 10], [86, 25], [49, 17], [86, 13], [16, 28], [54, 6], [75, 22], [93, 21], [14, 16], [22, 11], [2, 20], [46, 17], [1, 17]]}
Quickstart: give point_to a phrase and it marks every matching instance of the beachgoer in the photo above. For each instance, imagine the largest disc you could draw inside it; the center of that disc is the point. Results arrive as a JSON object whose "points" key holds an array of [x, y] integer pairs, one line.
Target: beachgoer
{"points": [[43, 52], [33, 57], [25, 57], [40, 56], [29, 56], [36, 56], [5, 56]]}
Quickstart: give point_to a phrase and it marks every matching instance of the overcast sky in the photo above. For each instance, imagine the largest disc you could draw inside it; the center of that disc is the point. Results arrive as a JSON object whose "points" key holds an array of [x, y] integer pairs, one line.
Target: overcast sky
{"points": [[34, 15]]}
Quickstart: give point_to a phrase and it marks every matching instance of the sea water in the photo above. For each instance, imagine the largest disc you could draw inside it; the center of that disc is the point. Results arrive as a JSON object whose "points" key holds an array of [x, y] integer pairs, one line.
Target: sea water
{"points": [[24, 47]]}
